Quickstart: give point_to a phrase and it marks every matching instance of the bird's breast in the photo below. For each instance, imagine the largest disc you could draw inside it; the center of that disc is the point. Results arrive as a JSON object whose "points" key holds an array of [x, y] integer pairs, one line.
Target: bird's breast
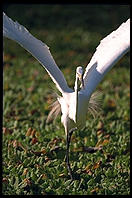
{"points": [[81, 111], [69, 111]]}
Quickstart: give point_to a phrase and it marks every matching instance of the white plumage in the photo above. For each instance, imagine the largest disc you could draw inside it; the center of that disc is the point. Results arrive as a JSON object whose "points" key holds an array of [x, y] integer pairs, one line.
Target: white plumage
{"points": [[73, 103], [109, 51], [15, 31]]}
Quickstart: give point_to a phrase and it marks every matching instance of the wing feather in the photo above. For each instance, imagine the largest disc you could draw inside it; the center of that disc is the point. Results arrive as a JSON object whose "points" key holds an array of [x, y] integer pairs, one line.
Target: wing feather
{"points": [[15, 31], [109, 51]]}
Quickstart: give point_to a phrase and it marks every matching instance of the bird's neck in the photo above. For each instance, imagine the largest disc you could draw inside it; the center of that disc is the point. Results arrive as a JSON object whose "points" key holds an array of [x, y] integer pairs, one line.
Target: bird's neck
{"points": [[76, 97]]}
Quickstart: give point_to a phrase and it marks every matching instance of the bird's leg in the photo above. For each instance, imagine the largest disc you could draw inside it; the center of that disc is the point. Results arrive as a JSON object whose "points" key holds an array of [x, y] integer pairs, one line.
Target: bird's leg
{"points": [[69, 134], [67, 156]]}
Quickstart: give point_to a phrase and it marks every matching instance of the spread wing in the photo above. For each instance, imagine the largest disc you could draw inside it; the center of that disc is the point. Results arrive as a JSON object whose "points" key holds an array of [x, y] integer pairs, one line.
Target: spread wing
{"points": [[109, 51], [15, 31]]}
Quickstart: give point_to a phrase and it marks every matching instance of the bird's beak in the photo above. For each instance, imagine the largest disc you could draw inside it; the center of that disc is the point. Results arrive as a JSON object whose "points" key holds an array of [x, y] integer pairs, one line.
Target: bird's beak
{"points": [[81, 80]]}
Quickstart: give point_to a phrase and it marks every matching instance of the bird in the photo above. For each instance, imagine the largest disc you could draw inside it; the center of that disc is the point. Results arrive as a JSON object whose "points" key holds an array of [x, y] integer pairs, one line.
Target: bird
{"points": [[73, 103]]}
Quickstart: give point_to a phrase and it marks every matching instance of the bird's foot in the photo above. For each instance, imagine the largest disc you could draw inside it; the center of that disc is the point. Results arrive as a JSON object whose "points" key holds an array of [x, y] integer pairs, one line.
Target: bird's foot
{"points": [[92, 149], [69, 169]]}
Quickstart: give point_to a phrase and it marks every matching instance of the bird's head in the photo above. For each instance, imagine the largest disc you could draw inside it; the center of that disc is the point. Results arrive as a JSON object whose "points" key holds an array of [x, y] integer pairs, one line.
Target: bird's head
{"points": [[79, 75]]}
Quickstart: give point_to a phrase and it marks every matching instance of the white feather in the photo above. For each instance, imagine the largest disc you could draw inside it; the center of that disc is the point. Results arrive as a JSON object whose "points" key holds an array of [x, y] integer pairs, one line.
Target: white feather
{"points": [[109, 51], [74, 104], [15, 31]]}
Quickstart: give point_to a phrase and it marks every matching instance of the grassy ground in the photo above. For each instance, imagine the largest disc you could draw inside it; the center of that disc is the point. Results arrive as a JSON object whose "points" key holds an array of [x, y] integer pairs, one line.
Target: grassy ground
{"points": [[33, 151]]}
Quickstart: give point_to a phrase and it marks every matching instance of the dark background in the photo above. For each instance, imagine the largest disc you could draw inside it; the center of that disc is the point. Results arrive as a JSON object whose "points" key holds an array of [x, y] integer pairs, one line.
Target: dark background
{"points": [[94, 16]]}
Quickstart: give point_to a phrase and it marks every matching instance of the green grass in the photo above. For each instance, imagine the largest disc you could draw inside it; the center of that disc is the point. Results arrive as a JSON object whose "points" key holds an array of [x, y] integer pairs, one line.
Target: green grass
{"points": [[34, 152]]}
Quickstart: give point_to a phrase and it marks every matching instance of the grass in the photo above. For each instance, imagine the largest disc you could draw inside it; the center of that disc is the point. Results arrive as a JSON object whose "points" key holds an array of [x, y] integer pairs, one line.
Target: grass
{"points": [[34, 152]]}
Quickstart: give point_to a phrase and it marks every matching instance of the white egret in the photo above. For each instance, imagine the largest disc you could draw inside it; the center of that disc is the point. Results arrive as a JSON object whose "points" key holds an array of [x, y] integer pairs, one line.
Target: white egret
{"points": [[73, 103]]}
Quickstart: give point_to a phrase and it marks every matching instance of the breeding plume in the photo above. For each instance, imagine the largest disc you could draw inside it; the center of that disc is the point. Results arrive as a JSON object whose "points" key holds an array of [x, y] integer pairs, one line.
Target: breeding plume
{"points": [[73, 103]]}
